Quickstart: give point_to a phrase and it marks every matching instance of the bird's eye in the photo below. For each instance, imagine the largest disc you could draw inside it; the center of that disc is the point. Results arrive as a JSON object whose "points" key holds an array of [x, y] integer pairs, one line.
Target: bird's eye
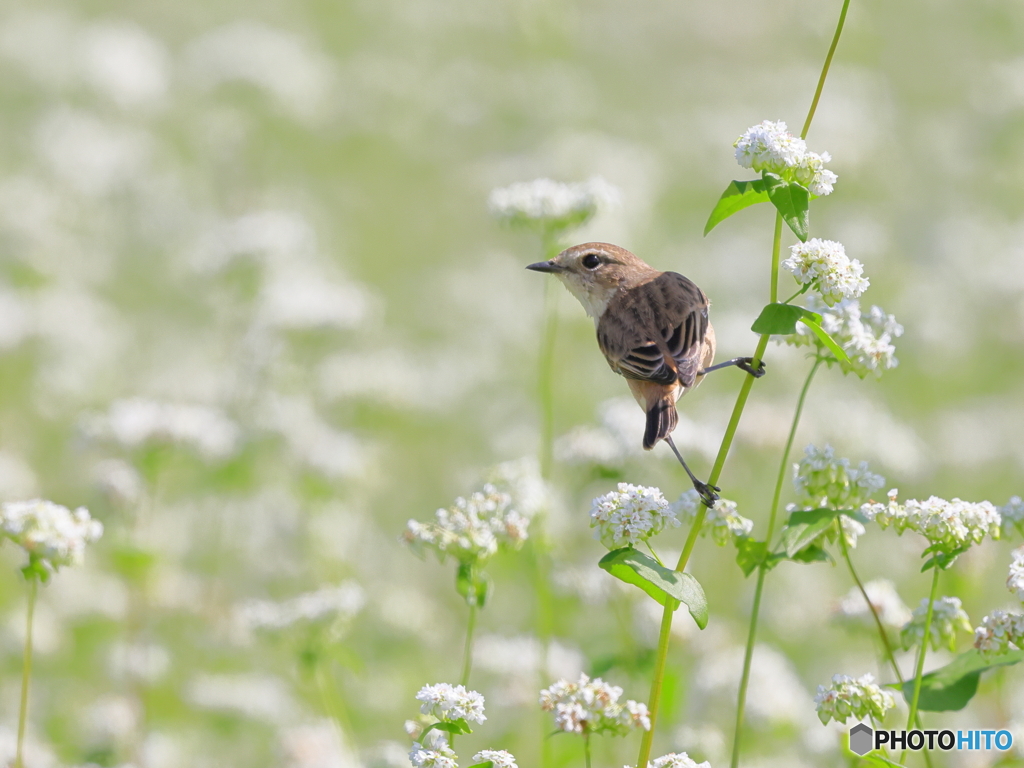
{"points": [[591, 261]]}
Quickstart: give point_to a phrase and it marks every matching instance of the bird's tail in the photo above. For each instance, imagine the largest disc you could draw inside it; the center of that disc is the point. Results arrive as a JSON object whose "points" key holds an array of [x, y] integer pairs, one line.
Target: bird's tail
{"points": [[661, 420]]}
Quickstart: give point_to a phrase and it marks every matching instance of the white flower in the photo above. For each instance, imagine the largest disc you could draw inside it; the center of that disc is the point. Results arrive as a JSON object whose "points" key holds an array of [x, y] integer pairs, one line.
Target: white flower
{"points": [[770, 147], [449, 702], [723, 522], [471, 529], [866, 340], [677, 760], [948, 525], [824, 264], [884, 599], [499, 757], [948, 616], [1015, 581], [592, 706], [1013, 514], [327, 604], [52, 535], [442, 757], [632, 514], [822, 480], [551, 205], [522, 481], [998, 630], [848, 697]]}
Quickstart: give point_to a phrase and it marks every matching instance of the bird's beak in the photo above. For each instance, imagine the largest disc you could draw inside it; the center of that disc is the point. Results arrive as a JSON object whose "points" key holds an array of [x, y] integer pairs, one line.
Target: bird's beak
{"points": [[546, 266]]}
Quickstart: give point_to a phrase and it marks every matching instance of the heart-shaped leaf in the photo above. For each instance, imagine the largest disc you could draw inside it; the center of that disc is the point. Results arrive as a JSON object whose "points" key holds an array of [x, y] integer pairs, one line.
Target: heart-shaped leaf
{"points": [[737, 196], [634, 567], [952, 686], [792, 201]]}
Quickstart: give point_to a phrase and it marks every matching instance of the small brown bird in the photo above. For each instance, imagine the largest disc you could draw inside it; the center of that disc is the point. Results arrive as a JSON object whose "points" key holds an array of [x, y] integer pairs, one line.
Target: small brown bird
{"points": [[653, 328]]}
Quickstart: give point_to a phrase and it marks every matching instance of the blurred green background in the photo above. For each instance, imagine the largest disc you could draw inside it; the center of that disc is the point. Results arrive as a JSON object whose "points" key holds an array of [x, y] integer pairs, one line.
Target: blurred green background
{"points": [[273, 215]]}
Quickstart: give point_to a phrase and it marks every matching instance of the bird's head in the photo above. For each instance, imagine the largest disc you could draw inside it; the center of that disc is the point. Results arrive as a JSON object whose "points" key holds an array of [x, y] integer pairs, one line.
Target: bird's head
{"points": [[594, 272]]}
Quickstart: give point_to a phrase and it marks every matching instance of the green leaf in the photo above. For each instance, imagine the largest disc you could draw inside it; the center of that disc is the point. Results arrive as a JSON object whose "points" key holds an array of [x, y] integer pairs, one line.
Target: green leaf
{"points": [[455, 727], [952, 686], [811, 554], [473, 584], [943, 560], [484, 764], [780, 319], [880, 761], [805, 526], [751, 555], [813, 321], [737, 196], [792, 201], [634, 567]]}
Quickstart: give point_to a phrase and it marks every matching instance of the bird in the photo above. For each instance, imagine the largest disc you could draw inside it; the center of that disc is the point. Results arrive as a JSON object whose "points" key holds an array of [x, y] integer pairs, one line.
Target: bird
{"points": [[653, 329]]}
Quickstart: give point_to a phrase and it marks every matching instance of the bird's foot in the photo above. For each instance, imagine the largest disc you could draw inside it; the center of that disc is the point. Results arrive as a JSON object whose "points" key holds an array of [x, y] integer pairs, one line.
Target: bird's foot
{"points": [[747, 364], [708, 493]]}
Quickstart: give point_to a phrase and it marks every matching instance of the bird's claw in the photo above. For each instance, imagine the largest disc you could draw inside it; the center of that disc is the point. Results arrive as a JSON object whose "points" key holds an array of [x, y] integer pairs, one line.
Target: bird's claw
{"points": [[708, 493], [747, 364]]}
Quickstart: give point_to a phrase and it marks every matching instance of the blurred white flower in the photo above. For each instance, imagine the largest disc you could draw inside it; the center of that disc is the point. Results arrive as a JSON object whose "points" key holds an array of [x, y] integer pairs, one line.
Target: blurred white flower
{"points": [[306, 296], [551, 205], [677, 760], [948, 616], [630, 515], [471, 529], [822, 480], [1015, 580], [1013, 514], [125, 63], [112, 717], [136, 421], [259, 697], [592, 706], [319, 744], [866, 340], [948, 525], [118, 480], [146, 662], [825, 265], [847, 697], [522, 481], [722, 521], [449, 702], [52, 535], [329, 604], [499, 757], [769, 146], [1000, 632], [884, 599]]}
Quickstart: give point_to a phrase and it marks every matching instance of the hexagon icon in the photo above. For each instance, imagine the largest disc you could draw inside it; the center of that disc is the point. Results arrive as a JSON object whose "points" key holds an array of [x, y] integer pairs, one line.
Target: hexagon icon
{"points": [[861, 739]]}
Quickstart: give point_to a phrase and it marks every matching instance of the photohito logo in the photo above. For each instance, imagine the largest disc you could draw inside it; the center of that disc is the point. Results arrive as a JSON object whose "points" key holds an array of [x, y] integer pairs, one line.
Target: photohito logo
{"points": [[863, 739]]}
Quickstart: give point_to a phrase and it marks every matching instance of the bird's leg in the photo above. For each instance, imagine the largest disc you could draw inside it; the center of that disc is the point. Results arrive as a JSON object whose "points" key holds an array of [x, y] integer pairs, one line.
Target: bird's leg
{"points": [[743, 363], [707, 492]]}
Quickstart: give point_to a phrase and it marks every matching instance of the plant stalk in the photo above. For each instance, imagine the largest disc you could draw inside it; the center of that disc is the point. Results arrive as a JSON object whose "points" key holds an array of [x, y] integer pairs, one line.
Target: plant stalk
{"points": [[922, 652], [467, 659], [26, 673]]}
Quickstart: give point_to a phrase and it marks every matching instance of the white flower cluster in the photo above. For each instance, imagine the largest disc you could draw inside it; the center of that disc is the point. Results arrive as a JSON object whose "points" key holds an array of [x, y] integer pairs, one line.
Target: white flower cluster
{"points": [[675, 760], [770, 147], [822, 480], [499, 757], [848, 697], [433, 753], [324, 605], [52, 535], [630, 515], [998, 630], [866, 340], [552, 205], [449, 702], [1015, 581], [948, 616], [723, 522], [471, 529], [825, 265], [592, 706], [1013, 514], [884, 599], [948, 525]]}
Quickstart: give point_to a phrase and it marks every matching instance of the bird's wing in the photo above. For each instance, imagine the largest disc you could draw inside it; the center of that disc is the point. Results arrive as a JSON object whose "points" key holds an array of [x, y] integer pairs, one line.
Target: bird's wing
{"points": [[655, 331]]}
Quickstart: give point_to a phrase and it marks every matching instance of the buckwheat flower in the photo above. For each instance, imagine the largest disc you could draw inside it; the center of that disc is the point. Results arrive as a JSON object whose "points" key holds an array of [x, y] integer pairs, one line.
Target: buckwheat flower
{"points": [[866, 338], [847, 697], [52, 535], [441, 757], [770, 147], [1015, 581], [948, 616], [823, 480], [884, 599], [999, 632], [1013, 514], [471, 529], [677, 760], [630, 515], [326, 605], [550, 205], [499, 757], [592, 706], [722, 521], [948, 525], [812, 173], [825, 265], [451, 702]]}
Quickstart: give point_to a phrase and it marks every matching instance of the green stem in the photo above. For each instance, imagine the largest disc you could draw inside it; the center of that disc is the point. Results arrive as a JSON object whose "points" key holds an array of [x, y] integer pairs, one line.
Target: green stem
{"points": [[26, 674], [824, 69], [333, 703], [748, 654], [919, 672], [467, 659], [586, 747]]}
